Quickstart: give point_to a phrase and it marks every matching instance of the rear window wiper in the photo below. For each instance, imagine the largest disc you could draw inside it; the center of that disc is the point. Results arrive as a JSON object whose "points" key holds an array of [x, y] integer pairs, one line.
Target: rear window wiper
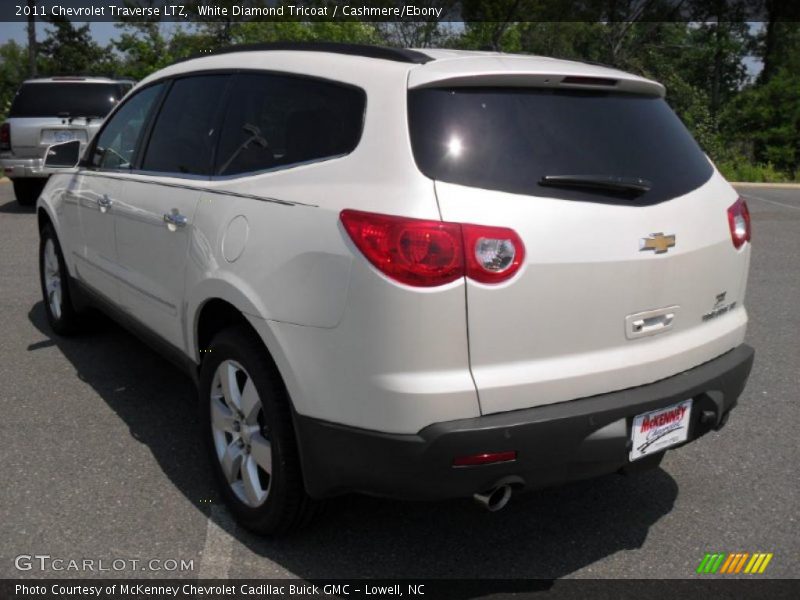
{"points": [[611, 183]]}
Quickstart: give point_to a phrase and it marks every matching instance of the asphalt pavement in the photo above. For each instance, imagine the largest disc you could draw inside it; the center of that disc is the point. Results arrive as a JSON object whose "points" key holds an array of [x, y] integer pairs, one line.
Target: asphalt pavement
{"points": [[101, 460]]}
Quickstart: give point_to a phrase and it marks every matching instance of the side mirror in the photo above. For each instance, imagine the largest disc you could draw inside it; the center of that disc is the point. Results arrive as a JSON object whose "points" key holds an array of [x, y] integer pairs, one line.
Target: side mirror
{"points": [[63, 156]]}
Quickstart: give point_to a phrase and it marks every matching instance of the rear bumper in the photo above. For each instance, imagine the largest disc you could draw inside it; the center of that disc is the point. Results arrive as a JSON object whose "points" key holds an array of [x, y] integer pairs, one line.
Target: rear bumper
{"points": [[556, 443], [23, 167]]}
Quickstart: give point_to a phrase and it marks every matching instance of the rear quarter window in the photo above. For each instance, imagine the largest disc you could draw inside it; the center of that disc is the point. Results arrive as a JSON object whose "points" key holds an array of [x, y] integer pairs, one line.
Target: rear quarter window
{"points": [[281, 120], [507, 139]]}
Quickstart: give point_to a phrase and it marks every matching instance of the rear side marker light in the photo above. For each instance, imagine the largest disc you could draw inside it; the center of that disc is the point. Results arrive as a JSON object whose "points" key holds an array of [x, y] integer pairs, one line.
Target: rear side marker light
{"points": [[486, 458], [5, 136], [739, 223], [427, 253]]}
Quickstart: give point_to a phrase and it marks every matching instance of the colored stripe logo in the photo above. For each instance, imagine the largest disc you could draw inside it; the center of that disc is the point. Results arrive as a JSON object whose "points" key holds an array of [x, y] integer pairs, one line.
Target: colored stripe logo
{"points": [[735, 562]]}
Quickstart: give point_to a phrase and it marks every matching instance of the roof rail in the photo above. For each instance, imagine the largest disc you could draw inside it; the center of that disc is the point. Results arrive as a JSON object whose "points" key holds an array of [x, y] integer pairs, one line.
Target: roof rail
{"points": [[365, 50], [77, 77]]}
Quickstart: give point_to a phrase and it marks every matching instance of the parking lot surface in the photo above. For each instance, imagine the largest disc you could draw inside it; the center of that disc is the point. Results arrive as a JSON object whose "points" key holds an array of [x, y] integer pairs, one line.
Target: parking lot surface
{"points": [[101, 459]]}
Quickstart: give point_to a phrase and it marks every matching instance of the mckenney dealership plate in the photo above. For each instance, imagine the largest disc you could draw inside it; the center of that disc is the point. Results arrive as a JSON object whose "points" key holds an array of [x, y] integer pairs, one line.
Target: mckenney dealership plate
{"points": [[659, 429]]}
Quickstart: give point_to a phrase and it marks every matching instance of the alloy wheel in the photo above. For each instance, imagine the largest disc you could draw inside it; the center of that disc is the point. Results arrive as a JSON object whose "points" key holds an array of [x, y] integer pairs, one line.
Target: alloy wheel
{"points": [[52, 278], [241, 437]]}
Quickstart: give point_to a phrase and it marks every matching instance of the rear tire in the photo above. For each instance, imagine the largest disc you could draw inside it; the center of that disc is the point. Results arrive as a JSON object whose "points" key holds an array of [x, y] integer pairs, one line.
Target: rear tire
{"points": [[55, 282], [247, 426], [27, 190]]}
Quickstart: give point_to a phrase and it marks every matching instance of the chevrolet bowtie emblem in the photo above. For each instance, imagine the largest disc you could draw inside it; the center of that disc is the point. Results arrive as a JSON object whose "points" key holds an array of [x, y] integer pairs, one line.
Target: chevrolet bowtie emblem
{"points": [[658, 242]]}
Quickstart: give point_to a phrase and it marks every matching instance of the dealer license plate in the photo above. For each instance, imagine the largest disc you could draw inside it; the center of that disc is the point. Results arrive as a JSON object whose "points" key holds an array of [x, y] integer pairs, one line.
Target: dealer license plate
{"points": [[659, 429]]}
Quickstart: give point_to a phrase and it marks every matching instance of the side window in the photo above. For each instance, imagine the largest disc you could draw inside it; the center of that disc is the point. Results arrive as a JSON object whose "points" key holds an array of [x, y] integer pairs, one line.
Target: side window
{"points": [[185, 134], [278, 120], [117, 142]]}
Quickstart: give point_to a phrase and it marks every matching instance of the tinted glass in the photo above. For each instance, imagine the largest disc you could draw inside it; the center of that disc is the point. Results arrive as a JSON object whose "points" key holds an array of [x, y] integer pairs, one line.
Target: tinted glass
{"points": [[185, 132], [65, 99], [117, 142], [276, 120], [508, 139]]}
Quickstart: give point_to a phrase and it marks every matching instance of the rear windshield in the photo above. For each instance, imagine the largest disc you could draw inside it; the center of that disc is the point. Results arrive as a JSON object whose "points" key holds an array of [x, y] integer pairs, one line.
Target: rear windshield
{"points": [[509, 139], [69, 99]]}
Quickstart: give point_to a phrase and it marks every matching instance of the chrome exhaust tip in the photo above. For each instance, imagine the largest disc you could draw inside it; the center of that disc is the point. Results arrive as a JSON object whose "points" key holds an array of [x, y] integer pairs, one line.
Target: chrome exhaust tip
{"points": [[494, 499]]}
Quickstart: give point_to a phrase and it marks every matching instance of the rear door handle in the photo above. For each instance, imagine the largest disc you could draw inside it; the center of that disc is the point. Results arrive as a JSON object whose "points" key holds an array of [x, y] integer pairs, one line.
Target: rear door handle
{"points": [[175, 219], [653, 323], [650, 322]]}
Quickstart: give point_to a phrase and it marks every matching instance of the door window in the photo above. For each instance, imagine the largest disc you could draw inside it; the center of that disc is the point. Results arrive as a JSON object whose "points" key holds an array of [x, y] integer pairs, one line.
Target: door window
{"points": [[185, 133], [117, 142]]}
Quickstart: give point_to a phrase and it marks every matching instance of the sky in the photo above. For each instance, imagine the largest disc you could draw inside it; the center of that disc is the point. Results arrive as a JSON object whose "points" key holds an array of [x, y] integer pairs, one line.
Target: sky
{"points": [[102, 32]]}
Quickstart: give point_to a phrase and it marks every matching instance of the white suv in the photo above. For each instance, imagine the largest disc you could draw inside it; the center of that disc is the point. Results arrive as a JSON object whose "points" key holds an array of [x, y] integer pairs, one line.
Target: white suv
{"points": [[422, 275]]}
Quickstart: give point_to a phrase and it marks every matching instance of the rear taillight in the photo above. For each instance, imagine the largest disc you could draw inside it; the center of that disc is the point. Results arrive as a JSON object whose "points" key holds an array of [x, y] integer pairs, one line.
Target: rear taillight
{"points": [[5, 136], [411, 251], [739, 222], [429, 253]]}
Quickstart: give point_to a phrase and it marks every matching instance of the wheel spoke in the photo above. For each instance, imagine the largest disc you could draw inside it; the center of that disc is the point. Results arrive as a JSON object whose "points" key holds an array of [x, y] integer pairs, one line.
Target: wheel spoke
{"points": [[221, 416], [49, 260], [250, 402], [55, 302], [230, 387], [232, 461], [250, 482], [261, 451]]}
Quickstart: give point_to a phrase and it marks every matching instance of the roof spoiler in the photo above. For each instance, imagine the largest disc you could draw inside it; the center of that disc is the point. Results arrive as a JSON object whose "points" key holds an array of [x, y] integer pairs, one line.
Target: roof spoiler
{"points": [[529, 72]]}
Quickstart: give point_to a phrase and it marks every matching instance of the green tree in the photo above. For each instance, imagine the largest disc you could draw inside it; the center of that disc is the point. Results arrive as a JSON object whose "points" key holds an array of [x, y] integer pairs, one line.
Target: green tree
{"points": [[13, 70], [779, 42], [720, 40], [70, 50], [570, 40], [764, 121], [354, 32], [413, 34], [142, 49], [32, 45]]}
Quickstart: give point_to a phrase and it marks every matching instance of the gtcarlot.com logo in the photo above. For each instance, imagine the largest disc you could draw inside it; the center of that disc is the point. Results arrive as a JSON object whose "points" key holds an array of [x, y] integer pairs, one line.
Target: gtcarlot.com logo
{"points": [[45, 562], [730, 563]]}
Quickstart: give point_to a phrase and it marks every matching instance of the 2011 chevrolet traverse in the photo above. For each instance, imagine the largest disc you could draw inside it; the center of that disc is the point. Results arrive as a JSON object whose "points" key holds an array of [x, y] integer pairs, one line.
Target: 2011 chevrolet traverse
{"points": [[417, 274]]}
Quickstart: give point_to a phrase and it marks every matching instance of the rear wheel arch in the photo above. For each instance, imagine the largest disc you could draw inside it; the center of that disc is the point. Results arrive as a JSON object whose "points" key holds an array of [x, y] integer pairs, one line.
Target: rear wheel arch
{"points": [[213, 316], [216, 315]]}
